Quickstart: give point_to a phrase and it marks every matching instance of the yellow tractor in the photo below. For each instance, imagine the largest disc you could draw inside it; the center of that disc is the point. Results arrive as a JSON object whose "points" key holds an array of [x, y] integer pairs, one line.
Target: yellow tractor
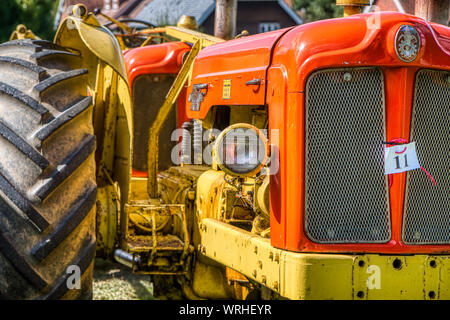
{"points": [[272, 166]]}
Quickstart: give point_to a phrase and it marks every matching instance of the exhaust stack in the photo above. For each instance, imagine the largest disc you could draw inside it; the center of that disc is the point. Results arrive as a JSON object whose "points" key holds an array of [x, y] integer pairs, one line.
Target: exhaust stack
{"points": [[352, 6]]}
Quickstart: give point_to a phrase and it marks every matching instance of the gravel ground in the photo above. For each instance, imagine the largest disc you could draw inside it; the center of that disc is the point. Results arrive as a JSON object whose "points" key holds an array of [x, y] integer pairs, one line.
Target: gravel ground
{"points": [[112, 281]]}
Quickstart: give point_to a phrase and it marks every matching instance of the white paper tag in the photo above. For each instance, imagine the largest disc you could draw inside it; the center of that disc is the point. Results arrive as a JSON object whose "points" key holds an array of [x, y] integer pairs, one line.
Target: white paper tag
{"points": [[400, 158]]}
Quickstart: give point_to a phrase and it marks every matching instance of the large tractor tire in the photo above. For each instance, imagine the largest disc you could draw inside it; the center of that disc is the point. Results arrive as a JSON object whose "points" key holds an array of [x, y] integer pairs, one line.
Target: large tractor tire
{"points": [[47, 174]]}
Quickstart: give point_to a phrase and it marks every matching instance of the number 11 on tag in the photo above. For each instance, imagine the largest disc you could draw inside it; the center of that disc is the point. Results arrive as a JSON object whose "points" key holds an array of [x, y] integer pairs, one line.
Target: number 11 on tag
{"points": [[400, 158]]}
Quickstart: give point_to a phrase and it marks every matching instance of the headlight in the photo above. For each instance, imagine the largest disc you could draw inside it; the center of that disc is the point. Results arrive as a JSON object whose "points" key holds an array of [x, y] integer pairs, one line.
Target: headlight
{"points": [[241, 150]]}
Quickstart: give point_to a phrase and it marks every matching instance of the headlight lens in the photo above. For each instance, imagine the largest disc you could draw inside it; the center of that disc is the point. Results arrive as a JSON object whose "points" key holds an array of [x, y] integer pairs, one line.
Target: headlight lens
{"points": [[241, 150]]}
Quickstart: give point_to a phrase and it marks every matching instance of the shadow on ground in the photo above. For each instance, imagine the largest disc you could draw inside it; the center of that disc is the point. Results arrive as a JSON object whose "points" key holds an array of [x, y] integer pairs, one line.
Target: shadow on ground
{"points": [[112, 281]]}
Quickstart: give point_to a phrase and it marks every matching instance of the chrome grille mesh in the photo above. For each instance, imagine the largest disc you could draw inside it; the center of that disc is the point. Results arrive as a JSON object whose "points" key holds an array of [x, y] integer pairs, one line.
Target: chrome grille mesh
{"points": [[346, 191], [427, 207]]}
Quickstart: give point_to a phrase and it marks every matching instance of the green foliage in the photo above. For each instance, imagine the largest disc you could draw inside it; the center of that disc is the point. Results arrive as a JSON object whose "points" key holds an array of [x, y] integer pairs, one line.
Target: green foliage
{"points": [[9, 15], [37, 15], [318, 9]]}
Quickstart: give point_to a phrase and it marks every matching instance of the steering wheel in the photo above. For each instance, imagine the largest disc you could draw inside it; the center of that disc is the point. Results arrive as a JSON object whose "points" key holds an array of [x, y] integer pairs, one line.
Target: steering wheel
{"points": [[130, 41], [127, 21]]}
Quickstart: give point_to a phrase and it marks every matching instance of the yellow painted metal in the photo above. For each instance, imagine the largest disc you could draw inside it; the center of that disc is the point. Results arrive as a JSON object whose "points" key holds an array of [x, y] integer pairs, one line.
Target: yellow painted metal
{"points": [[187, 22], [124, 139], [163, 112], [352, 7], [218, 196], [191, 36], [185, 35], [112, 127], [138, 189], [209, 186], [207, 278], [141, 215], [121, 25], [292, 275], [200, 41], [238, 280], [244, 33], [107, 220], [108, 137], [262, 199], [141, 212], [150, 38], [210, 281], [121, 43], [108, 84], [153, 30], [402, 277], [99, 41], [351, 10], [325, 276], [169, 250], [22, 32]]}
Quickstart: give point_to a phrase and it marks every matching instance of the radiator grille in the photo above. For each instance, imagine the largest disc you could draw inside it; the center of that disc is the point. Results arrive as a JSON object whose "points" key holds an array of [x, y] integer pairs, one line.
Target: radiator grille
{"points": [[427, 207], [346, 191]]}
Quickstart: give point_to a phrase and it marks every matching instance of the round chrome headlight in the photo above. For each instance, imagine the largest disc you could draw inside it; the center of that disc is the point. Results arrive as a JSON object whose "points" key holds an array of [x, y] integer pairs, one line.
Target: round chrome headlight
{"points": [[241, 150]]}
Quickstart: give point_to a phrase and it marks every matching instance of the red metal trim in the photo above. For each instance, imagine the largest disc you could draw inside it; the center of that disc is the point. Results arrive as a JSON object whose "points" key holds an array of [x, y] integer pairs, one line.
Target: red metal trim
{"points": [[356, 41]]}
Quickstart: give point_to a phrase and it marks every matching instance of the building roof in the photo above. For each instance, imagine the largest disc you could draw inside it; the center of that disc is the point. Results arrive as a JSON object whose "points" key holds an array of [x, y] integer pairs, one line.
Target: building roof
{"points": [[160, 12], [287, 7]]}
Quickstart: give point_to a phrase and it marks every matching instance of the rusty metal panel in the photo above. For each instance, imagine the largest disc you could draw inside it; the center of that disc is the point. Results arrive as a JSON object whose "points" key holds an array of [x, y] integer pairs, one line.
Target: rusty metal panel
{"points": [[427, 207], [149, 92], [346, 191]]}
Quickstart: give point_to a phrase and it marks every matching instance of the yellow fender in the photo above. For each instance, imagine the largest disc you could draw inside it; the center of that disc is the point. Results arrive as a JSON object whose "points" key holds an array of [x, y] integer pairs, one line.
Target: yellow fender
{"points": [[82, 31], [108, 84]]}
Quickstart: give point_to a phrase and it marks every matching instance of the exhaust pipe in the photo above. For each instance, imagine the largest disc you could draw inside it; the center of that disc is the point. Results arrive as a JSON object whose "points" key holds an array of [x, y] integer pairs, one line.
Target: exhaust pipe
{"points": [[352, 6], [127, 259]]}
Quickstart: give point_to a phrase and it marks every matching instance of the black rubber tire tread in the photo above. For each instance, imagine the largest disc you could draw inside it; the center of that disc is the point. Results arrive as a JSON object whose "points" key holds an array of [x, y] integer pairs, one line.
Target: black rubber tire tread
{"points": [[60, 77], [39, 56], [23, 146], [47, 173], [25, 99], [40, 72]]}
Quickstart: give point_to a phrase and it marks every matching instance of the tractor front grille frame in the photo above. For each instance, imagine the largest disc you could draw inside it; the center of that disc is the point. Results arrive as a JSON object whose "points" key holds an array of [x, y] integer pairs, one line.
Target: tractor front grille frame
{"points": [[426, 217], [346, 191]]}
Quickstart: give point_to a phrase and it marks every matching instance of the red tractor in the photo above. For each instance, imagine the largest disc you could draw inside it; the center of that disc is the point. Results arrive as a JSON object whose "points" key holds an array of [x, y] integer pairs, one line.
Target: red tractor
{"points": [[313, 160]]}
